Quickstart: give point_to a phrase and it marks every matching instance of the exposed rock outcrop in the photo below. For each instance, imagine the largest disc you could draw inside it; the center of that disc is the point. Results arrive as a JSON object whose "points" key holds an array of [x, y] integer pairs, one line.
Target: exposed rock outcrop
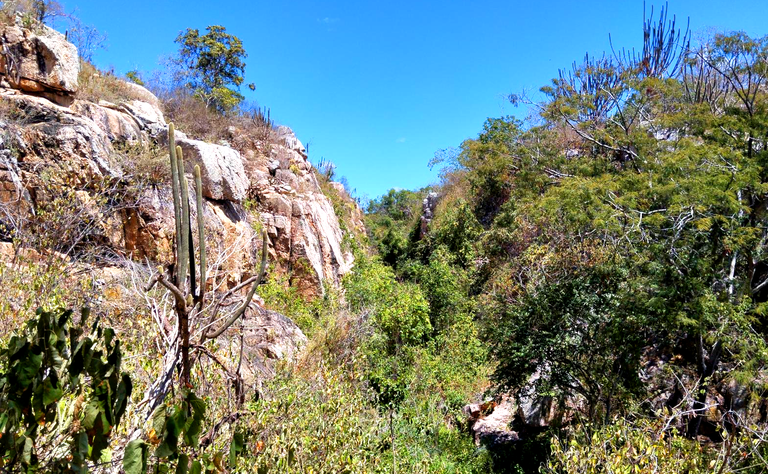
{"points": [[269, 336], [40, 62], [221, 167], [289, 138], [534, 410], [81, 143], [428, 206], [490, 422]]}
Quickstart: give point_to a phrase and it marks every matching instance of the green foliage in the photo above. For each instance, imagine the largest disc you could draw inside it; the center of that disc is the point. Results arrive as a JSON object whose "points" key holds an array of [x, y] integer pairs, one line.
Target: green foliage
{"points": [[457, 230], [648, 446], [323, 425], [327, 413], [446, 287], [601, 233], [34, 284], [398, 310], [399, 205], [175, 430], [576, 335], [426, 443], [307, 313], [390, 221], [213, 62], [135, 77], [63, 393], [493, 159], [624, 221], [421, 374]]}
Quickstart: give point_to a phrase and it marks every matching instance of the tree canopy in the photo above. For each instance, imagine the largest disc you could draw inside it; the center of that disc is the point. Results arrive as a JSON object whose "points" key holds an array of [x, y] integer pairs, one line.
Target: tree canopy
{"points": [[213, 66], [620, 226]]}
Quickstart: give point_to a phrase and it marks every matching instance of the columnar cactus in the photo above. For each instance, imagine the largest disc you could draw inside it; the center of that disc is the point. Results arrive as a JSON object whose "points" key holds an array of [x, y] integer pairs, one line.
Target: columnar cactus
{"points": [[187, 285]]}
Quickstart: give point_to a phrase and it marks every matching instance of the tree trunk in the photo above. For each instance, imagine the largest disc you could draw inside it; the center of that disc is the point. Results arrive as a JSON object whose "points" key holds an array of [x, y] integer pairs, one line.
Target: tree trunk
{"points": [[184, 337], [706, 368], [392, 436]]}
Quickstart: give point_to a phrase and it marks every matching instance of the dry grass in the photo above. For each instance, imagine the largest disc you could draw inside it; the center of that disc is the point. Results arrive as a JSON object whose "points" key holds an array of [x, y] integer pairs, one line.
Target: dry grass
{"points": [[246, 129], [95, 85], [9, 110], [146, 162]]}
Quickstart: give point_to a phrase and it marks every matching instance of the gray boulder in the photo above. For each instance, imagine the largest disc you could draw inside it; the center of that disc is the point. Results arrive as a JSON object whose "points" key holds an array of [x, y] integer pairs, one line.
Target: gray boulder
{"points": [[221, 167], [40, 61]]}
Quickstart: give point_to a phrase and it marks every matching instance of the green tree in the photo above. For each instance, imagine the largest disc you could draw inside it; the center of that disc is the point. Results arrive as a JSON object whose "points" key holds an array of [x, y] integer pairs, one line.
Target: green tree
{"points": [[391, 219], [213, 64]]}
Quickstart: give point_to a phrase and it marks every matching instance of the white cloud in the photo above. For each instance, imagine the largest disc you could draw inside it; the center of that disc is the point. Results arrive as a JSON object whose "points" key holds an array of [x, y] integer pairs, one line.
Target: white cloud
{"points": [[400, 140], [327, 20]]}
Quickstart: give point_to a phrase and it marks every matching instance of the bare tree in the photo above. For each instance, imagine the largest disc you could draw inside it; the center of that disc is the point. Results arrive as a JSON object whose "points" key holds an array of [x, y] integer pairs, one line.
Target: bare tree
{"points": [[199, 314]]}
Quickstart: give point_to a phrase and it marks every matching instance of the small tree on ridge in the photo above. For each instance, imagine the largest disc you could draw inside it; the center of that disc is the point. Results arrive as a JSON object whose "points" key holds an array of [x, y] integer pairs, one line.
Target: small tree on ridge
{"points": [[213, 63]]}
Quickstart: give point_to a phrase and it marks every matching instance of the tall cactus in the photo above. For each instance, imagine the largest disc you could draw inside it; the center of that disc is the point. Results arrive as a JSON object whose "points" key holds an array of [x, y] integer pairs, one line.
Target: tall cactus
{"points": [[188, 285]]}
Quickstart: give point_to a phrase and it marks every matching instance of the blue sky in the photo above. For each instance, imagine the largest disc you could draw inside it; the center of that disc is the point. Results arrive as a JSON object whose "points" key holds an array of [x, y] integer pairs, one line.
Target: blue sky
{"points": [[377, 87]]}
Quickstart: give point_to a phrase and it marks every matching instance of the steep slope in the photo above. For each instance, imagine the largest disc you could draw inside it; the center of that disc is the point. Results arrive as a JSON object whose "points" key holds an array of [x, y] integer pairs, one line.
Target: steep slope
{"points": [[53, 142]]}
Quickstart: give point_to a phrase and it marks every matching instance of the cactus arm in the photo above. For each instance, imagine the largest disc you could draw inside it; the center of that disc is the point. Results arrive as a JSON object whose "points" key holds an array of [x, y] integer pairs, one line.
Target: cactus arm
{"points": [[192, 276], [175, 189], [185, 257], [160, 278], [200, 230], [183, 254], [239, 311]]}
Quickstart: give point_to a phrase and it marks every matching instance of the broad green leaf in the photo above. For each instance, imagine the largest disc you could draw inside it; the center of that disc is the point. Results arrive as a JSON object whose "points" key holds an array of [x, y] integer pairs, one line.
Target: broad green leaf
{"points": [[183, 464], [235, 448], [92, 412], [135, 459], [51, 393]]}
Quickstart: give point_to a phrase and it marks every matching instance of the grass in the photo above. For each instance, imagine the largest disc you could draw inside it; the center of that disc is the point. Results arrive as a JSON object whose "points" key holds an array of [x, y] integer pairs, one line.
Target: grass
{"points": [[244, 130], [96, 85], [146, 162]]}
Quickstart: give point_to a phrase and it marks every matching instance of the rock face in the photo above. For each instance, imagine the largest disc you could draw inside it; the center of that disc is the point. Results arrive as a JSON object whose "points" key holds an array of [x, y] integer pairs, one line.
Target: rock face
{"points": [[300, 220], [533, 410], [490, 422], [270, 336], [221, 168], [40, 62], [289, 138], [428, 206], [47, 131]]}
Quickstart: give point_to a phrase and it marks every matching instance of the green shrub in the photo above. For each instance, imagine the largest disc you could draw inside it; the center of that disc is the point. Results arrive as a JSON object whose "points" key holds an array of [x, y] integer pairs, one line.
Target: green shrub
{"points": [[398, 310], [640, 447], [134, 77], [279, 296], [62, 394], [321, 424]]}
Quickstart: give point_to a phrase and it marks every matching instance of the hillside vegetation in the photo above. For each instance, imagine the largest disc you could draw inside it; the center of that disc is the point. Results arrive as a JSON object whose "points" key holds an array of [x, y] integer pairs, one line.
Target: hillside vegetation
{"points": [[584, 291], [610, 248], [105, 368]]}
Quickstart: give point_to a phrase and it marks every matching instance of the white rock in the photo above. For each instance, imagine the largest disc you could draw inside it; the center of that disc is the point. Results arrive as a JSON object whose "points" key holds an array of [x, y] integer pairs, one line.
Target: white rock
{"points": [[39, 62], [145, 112], [286, 134], [118, 125], [142, 94], [221, 167]]}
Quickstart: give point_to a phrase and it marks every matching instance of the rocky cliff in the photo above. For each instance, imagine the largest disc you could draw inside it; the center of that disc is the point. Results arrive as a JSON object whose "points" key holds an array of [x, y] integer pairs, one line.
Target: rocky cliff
{"points": [[97, 157]]}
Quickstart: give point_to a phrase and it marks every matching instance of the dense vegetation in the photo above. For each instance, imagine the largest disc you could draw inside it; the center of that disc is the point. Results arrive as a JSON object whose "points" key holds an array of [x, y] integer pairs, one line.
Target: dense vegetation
{"points": [[614, 244], [604, 257]]}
